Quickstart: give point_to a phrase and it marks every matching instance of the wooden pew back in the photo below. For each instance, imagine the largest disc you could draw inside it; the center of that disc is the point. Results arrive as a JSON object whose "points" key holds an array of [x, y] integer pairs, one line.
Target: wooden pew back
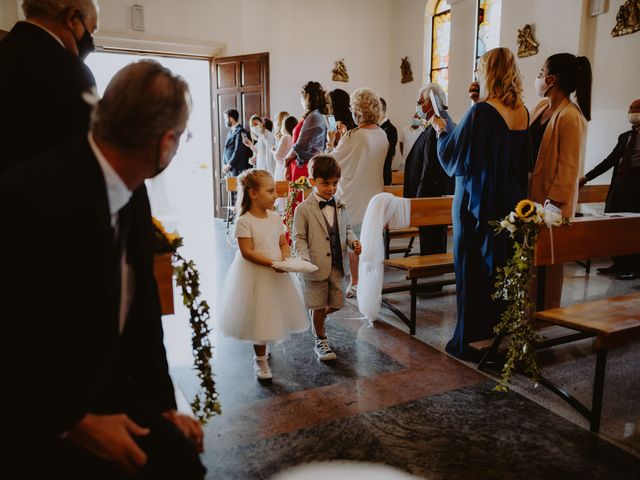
{"points": [[282, 186], [397, 178], [589, 237], [397, 190], [593, 193], [431, 211]]}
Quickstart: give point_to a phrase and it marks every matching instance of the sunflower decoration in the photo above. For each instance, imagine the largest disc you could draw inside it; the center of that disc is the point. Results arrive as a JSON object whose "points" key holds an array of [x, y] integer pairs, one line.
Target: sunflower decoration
{"points": [[164, 242], [513, 282], [526, 210]]}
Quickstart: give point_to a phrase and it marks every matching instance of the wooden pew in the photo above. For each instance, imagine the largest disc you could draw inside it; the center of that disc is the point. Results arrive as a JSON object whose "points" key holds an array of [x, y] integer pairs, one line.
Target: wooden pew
{"points": [[397, 178], [231, 183], [411, 233], [424, 212], [612, 322], [591, 194]]}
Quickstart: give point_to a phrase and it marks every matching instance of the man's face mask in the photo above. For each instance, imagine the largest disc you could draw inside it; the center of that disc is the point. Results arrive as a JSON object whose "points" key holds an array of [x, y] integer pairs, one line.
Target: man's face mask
{"points": [[85, 44]]}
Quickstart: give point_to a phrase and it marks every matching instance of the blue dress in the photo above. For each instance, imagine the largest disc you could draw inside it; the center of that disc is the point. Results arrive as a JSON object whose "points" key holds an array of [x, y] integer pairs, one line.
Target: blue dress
{"points": [[490, 164]]}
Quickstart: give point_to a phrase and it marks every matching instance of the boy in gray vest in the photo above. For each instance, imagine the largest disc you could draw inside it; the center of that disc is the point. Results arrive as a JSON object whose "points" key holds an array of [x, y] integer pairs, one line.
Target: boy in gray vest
{"points": [[321, 234]]}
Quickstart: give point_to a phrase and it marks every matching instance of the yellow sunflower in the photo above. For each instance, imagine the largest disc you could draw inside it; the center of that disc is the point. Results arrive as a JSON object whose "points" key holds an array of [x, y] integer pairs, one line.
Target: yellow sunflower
{"points": [[525, 209], [301, 181]]}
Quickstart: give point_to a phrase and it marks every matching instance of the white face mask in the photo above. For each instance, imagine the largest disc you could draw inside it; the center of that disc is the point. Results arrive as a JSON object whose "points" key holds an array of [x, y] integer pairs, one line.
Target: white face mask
{"points": [[634, 119], [541, 86], [419, 111], [256, 130], [303, 103]]}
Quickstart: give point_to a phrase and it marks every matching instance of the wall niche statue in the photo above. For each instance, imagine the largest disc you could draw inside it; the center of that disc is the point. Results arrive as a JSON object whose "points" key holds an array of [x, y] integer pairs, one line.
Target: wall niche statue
{"points": [[340, 72], [527, 45], [405, 68], [627, 19]]}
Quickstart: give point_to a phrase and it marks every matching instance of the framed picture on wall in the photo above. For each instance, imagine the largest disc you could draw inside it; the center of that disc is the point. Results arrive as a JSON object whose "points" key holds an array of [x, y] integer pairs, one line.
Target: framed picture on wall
{"points": [[598, 7]]}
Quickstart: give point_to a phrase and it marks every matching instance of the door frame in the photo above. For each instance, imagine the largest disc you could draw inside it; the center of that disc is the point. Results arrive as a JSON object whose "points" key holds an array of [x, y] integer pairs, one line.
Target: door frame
{"points": [[218, 178]]}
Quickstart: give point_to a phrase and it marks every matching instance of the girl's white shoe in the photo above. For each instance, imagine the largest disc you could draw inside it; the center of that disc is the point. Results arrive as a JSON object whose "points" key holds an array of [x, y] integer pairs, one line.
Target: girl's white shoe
{"points": [[261, 367]]}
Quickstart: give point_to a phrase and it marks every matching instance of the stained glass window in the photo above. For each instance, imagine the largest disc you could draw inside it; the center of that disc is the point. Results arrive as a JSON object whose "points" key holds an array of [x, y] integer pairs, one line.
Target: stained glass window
{"points": [[440, 36], [488, 35]]}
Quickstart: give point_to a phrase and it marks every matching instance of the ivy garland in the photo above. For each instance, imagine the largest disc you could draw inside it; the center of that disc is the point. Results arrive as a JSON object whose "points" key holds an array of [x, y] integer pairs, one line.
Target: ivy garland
{"points": [[301, 184], [205, 405], [512, 285]]}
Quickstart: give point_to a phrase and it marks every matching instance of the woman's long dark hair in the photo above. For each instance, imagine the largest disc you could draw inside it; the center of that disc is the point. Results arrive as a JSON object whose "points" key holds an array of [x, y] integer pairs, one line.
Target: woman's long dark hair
{"points": [[316, 97], [574, 75], [340, 106]]}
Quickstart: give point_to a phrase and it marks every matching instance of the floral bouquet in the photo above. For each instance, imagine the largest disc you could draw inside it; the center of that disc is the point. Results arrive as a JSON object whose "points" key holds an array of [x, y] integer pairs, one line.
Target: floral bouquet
{"points": [[513, 281], [296, 187]]}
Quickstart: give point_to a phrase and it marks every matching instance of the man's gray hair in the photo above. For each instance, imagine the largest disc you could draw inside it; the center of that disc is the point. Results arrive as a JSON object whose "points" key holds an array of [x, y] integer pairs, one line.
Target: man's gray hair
{"points": [[142, 102], [437, 90], [55, 9]]}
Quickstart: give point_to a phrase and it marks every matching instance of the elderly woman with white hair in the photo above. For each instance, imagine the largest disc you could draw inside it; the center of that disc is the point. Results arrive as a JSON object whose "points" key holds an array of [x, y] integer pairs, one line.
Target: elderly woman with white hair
{"points": [[423, 174], [361, 153]]}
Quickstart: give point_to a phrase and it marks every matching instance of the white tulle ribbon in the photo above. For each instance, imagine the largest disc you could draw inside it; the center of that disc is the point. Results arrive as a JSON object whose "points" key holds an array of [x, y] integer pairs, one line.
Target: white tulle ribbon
{"points": [[552, 216]]}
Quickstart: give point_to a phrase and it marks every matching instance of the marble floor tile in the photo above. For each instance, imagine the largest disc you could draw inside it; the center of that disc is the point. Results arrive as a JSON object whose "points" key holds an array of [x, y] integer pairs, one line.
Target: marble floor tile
{"points": [[469, 433]]}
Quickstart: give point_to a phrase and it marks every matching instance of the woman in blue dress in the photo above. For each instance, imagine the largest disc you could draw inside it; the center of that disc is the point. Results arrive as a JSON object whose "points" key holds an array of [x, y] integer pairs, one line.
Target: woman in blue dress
{"points": [[489, 155]]}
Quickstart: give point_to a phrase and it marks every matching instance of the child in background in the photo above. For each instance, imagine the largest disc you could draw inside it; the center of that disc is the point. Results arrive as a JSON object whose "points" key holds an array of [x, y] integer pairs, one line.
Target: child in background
{"points": [[259, 303]]}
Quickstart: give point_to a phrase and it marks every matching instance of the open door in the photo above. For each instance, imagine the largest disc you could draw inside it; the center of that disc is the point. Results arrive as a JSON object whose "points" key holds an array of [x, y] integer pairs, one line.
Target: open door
{"points": [[240, 82]]}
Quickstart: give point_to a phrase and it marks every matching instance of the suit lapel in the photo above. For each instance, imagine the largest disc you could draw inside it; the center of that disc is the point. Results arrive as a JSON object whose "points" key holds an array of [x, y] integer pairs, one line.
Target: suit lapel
{"points": [[315, 209]]}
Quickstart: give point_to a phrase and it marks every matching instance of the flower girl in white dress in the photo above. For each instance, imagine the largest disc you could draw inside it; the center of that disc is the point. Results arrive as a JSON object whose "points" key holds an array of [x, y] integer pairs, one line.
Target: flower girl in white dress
{"points": [[259, 303]]}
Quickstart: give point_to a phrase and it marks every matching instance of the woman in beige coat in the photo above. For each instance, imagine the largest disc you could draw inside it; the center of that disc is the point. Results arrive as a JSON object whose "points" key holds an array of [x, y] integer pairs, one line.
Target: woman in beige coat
{"points": [[558, 130]]}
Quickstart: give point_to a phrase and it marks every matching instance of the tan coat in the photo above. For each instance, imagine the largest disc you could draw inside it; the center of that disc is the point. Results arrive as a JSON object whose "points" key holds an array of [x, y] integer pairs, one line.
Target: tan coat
{"points": [[555, 176]]}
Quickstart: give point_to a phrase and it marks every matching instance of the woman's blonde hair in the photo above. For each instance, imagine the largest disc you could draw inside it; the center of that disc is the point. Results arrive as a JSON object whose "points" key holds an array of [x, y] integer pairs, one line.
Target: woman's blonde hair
{"points": [[279, 124], [499, 77], [249, 180], [365, 105]]}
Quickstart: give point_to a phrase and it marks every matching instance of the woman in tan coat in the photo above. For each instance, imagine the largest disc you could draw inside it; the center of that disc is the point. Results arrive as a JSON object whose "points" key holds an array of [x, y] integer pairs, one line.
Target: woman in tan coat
{"points": [[558, 131]]}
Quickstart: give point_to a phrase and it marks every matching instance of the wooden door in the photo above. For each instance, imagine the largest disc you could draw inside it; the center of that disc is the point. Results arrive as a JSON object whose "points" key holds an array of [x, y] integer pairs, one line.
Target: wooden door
{"points": [[242, 83]]}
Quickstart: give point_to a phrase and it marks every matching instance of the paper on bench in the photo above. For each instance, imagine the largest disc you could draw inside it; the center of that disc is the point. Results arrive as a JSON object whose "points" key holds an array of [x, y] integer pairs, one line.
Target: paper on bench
{"points": [[383, 209]]}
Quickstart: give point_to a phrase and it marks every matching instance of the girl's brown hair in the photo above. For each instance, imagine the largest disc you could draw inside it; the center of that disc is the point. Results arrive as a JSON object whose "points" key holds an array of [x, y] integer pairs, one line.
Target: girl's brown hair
{"points": [[248, 180]]}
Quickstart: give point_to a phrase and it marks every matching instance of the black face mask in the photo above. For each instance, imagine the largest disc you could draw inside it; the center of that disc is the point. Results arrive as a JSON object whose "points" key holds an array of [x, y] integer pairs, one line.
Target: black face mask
{"points": [[85, 44]]}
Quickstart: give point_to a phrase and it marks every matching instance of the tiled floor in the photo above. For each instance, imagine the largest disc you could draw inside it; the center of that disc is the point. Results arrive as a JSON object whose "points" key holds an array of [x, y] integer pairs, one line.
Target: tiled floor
{"points": [[389, 398]]}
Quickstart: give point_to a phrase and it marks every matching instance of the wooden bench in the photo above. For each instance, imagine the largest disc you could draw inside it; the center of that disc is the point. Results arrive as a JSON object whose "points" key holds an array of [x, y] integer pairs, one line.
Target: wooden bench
{"points": [[231, 183], [424, 212], [591, 194], [611, 321], [410, 233], [397, 178]]}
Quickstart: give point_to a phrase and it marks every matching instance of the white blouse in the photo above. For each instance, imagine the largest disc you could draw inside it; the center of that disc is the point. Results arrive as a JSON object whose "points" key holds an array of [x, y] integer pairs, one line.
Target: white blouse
{"points": [[360, 154]]}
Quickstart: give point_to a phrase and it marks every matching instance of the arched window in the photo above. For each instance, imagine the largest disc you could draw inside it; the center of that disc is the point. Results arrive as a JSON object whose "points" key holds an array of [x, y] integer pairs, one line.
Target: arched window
{"points": [[440, 36], [488, 33]]}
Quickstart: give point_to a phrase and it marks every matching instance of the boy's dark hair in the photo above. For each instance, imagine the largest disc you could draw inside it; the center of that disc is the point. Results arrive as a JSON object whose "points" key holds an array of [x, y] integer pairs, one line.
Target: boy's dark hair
{"points": [[324, 166]]}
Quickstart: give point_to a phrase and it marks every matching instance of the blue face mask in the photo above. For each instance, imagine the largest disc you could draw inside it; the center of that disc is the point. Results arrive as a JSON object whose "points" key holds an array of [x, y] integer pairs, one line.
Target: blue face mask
{"points": [[419, 111]]}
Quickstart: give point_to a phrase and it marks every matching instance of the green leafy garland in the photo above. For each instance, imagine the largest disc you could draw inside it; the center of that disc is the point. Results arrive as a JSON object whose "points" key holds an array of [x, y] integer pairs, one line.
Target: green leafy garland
{"points": [[295, 188], [512, 285], [205, 405]]}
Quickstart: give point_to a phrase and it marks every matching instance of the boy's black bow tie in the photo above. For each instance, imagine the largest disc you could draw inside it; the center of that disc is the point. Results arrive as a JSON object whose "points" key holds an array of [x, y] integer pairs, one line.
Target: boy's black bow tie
{"points": [[331, 203]]}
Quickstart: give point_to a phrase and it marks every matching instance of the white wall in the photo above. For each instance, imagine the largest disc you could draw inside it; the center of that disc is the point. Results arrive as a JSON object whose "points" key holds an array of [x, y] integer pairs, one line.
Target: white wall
{"points": [[567, 27], [303, 37], [8, 14]]}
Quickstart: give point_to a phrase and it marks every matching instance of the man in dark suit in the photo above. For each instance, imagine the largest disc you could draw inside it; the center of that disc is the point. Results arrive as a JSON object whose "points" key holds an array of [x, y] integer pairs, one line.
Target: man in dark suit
{"points": [[423, 174], [236, 154], [392, 136], [624, 192], [43, 78], [86, 360]]}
